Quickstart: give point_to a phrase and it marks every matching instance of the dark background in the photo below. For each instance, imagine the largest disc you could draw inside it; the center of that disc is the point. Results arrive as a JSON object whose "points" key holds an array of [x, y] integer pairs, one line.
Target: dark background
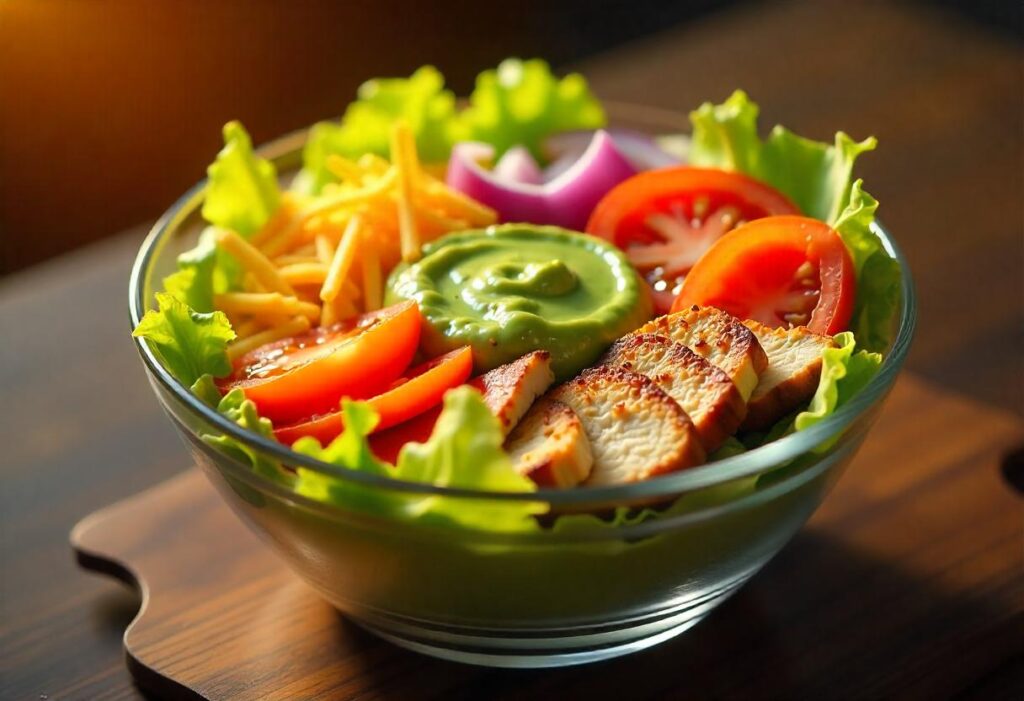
{"points": [[110, 109]]}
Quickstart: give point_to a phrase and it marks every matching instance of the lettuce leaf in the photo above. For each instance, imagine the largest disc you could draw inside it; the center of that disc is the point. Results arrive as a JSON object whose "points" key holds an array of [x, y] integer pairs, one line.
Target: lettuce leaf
{"points": [[878, 274], [522, 102], [846, 369], [844, 372], [519, 102], [206, 389], [420, 100], [235, 407], [818, 178], [190, 344], [463, 451], [815, 175], [241, 194], [193, 283], [725, 136], [242, 189]]}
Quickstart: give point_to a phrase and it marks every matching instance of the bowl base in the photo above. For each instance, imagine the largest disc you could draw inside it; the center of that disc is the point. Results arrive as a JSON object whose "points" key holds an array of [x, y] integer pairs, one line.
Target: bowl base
{"points": [[538, 649]]}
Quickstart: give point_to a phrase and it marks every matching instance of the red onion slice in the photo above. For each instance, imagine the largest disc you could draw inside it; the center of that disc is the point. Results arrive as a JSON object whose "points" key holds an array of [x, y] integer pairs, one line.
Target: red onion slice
{"points": [[565, 201], [518, 166], [641, 150]]}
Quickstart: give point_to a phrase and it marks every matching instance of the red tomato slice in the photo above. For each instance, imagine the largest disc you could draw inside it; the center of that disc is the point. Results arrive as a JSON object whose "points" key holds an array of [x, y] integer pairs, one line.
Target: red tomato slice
{"points": [[306, 375], [422, 388], [666, 219], [387, 444], [781, 271]]}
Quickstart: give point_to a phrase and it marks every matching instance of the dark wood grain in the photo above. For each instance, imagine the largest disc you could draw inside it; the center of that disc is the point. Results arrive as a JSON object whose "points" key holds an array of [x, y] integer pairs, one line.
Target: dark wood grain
{"points": [[81, 429], [900, 573]]}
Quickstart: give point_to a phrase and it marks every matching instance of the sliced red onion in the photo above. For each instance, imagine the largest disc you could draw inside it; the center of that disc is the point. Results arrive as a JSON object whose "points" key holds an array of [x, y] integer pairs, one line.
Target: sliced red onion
{"points": [[518, 166], [560, 165], [565, 201], [641, 150]]}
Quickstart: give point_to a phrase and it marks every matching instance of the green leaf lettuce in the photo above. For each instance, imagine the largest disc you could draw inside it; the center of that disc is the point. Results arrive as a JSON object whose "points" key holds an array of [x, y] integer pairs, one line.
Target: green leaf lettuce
{"points": [[242, 190], [420, 100], [464, 451], [522, 102], [878, 274], [844, 372], [519, 102], [815, 175], [242, 193], [818, 178], [236, 408], [190, 344]]}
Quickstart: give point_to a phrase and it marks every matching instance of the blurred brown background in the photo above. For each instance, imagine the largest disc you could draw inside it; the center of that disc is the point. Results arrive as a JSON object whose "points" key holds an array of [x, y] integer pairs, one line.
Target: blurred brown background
{"points": [[110, 109]]}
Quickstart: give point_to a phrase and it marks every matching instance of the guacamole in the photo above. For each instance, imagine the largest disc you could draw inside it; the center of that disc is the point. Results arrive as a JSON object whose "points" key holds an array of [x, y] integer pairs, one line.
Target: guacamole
{"points": [[508, 290]]}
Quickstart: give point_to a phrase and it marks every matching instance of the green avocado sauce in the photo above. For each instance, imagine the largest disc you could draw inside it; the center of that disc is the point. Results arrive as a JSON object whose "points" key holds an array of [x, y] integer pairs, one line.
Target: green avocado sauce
{"points": [[508, 290]]}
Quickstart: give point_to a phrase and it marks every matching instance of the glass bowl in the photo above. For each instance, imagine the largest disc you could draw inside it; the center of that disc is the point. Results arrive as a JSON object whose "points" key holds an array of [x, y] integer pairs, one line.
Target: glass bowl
{"points": [[554, 597]]}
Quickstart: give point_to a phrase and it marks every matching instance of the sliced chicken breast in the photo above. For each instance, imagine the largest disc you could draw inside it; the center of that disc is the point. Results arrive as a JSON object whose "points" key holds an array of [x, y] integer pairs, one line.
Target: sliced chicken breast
{"points": [[794, 367], [705, 393], [510, 390], [719, 338], [550, 447], [636, 431]]}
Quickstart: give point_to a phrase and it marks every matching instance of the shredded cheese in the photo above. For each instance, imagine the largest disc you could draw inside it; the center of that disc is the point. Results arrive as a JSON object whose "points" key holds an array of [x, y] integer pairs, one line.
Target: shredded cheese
{"points": [[304, 273], [407, 171], [244, 329], [342, 261], [433, 220], [372, 276], [288, 259], [265, 304], [460, 205], [253, 261], [324, 248], [345, 169], [281, 219], [251, 284], [292, 327], [324, 259]]}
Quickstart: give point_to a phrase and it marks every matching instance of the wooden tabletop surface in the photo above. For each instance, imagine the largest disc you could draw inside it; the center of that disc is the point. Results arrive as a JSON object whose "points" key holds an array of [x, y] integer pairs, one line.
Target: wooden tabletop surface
{"points": [[81, 428]]}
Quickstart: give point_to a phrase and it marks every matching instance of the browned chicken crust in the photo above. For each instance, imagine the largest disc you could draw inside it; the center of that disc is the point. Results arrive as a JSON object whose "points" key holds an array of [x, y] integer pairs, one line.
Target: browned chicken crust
{"points": [[705, 393], [550, 446], [719, 338], [510, 390], [636, 431], [791, 379]]}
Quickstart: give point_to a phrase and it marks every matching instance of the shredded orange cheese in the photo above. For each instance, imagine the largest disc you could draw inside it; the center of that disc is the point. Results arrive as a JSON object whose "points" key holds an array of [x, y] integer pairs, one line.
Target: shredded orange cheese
{"points": [[323, 259], [291, 327]]}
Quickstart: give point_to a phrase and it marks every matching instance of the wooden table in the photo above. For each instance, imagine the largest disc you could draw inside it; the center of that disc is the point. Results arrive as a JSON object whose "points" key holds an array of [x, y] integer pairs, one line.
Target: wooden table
{"points": [[81, 428]]}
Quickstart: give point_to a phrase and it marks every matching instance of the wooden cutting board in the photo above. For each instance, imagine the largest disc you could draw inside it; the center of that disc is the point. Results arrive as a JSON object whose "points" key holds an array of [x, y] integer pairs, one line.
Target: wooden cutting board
{"points": [[909, 581]]}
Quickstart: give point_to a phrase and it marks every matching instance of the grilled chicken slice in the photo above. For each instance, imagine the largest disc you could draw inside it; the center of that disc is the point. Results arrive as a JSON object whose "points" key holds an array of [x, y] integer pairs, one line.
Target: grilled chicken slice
{"points": [[719, 338], [794, 367], [636, 431], [705, 393], [510, 390], [550, 447]]}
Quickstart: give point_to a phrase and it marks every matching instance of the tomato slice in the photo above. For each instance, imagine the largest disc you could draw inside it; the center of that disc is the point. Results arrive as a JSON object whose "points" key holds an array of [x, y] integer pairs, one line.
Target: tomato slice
{"points": [[420, 389], [666, 219], [306, 375], [387, 444], [781, 271]]}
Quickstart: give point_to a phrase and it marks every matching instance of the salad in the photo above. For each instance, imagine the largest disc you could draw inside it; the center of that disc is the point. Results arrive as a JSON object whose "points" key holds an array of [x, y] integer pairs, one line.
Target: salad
{"points": [[513, 295]]}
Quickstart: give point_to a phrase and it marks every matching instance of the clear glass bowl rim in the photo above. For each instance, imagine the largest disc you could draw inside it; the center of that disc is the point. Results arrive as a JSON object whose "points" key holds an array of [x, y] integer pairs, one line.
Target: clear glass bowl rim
{"points": [[729, 469]]}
